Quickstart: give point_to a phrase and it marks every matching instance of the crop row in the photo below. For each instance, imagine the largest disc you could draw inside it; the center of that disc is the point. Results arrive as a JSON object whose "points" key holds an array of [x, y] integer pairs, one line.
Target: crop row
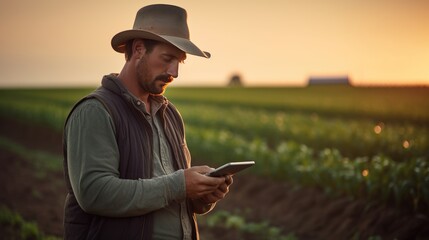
{"points": [[355, 138], [377, 178]]}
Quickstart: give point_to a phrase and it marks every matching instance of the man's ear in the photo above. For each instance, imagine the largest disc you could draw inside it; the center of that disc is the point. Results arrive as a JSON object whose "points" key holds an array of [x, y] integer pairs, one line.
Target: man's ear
{"points": [[138, 48]]}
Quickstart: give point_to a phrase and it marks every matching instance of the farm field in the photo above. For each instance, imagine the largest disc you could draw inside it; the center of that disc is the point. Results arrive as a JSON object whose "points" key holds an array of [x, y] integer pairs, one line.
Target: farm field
{"points": [[325, 155]]}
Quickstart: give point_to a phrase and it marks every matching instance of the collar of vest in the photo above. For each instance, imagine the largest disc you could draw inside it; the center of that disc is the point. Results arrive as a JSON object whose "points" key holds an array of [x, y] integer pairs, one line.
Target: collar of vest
{"points": [[114, 84]]}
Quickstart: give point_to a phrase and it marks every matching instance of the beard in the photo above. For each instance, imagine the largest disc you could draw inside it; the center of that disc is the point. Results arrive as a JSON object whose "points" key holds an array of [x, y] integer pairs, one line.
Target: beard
{"points": [[154, 85]]}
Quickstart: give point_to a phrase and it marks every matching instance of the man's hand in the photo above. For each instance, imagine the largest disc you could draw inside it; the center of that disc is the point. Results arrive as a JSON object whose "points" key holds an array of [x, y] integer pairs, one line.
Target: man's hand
{"points": [[199, 185], [219, 193]]}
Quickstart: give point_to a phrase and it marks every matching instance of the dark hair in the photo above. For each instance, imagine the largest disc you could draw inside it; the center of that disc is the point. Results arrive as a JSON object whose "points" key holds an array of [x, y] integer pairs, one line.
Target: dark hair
{"points": [[149, 44]]}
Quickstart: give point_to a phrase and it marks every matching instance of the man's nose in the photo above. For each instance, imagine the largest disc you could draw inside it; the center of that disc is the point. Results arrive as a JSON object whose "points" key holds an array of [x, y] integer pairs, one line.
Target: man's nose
{"points": [[173, 69]]}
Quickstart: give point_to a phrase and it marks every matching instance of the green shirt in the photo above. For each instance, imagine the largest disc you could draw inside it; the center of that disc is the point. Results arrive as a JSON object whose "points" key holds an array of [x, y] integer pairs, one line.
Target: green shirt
{"points": [[93, 169]]}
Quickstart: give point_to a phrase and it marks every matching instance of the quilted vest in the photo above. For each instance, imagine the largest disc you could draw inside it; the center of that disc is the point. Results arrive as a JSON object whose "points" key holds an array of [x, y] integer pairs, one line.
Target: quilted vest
{"points": [[132, 129]]}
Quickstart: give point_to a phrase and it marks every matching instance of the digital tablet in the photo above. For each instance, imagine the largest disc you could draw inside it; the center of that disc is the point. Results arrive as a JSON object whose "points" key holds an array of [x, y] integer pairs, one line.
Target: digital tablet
{"points": [[230, 168]]}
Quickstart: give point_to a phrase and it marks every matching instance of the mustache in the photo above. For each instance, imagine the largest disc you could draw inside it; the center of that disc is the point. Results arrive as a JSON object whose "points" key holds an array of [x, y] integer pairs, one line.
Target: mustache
{"points": [[165, 78]]}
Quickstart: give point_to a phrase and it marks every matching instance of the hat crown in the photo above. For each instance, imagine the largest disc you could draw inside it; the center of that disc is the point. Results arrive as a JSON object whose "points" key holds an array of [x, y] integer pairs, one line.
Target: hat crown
{"points": [[163, 23], [163, 19]]}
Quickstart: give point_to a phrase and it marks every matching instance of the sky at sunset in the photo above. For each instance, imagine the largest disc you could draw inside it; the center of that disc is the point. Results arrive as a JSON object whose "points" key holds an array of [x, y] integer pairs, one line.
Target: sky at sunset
{"points": [[67, 43]]}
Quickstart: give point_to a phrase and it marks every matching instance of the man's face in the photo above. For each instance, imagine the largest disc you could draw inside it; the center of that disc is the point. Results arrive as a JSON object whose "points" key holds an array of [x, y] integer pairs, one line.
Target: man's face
{"points": [[155, 70]]}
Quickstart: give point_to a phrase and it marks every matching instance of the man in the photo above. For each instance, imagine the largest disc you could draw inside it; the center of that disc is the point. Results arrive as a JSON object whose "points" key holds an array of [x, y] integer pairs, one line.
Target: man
{"points": [[127, 166]]}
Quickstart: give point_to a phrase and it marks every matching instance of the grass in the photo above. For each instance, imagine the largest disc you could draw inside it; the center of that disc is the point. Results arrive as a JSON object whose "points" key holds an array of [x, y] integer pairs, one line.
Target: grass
{"points": [[20, 229]]}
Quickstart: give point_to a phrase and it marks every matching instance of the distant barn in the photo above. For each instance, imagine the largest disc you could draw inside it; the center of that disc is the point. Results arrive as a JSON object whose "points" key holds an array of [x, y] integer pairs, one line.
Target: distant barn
{"points": [[235, 81], [334, 80]]}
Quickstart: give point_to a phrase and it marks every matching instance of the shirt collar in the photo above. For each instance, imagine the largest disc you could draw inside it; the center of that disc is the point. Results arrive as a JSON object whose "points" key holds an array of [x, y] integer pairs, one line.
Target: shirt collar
{"points": [[157, 101]]}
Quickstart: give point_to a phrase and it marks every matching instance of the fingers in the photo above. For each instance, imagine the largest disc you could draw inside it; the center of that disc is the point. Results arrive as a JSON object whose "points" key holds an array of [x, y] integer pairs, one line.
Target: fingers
{"points": [[215, 196], [198, 184], [203, 193], [202, 169], [228, 180], [224, 188]]}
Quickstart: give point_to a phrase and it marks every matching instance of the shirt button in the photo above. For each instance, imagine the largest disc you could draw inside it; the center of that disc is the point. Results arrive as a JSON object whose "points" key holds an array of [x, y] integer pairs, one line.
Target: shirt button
{"points": [[138, 103]]}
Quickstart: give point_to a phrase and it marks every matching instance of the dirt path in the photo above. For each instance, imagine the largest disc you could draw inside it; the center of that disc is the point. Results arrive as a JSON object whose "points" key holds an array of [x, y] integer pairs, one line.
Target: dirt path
{"points": [[307, 212]]}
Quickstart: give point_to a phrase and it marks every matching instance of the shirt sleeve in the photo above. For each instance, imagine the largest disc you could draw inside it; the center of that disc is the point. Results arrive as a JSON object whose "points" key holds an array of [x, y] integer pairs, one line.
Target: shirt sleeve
{"points": [[93, 163]]}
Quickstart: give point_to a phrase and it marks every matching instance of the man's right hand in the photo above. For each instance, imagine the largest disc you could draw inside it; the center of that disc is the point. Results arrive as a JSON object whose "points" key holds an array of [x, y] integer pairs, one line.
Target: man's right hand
{"points": [[198, 184]]}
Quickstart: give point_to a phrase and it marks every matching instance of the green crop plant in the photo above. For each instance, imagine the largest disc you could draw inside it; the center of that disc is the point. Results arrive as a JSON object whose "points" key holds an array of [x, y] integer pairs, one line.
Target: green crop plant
{"points": [[21, 228], [244, 228]]}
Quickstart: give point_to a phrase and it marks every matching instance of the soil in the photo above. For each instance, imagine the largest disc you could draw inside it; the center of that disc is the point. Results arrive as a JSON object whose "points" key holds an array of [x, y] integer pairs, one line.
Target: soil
{"points": [[307, 212]]}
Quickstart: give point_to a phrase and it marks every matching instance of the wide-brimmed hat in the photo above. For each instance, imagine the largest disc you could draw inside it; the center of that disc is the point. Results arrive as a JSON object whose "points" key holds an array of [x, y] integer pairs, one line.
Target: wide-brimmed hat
{"points": [[161, 22]]}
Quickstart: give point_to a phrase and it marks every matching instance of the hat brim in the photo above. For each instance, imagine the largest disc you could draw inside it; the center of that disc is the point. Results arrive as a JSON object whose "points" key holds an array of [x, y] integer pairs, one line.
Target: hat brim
{"points": [[120, 39]]}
